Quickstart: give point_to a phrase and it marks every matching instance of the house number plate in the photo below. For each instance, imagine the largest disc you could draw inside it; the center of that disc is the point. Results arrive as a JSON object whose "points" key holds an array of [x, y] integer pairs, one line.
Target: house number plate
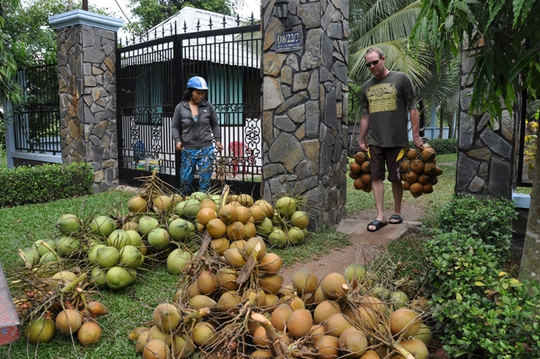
{"points": [[289, 41]]}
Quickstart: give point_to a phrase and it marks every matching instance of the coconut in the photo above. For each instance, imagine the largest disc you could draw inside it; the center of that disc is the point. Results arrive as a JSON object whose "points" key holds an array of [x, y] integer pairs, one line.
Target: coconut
{"points": [[179, 229], [300, 219], [358, 184], [204, 334], [257, 213], [69, 321], [66, 246], [260, 338], [92, 252], [260, 296], [325, 309], [200, 301], [424, 334], [399, 299], [353, 342], [188, 208], [107, 256], [207, 282], [68, 224], [265, 227], [205, 215], [411, 153], [373, 303], [41, 330], [156, 333], [405, 322], [268, 208], [89, 333], [296, 235], [250, 230], [146, 224], [280, 315], [48, 258], [159, 238], [355, 167], [44, 247], [299, 323], [162, 203], [65, 276], [417, 165], [286, 206], [156, 349], [229, 300], [271, 283], [255, 244], [166, 317], [135, 238], [130, 226], [137, 204], [370, 354], [416, 189], [416, 347], [236, 231], [366, 167], [131, 257], [97, 308], [226, 278], [228, 213], [234, 257], [118, 238], [305, 281], [429, 154], [97, 276], [354, 273], [141, 342], [177, 260], [220, 245], [270, 263], [326, 347], [261, 353], [118, 277], [336, 324], [334, 285], [360, 157], [136, 332], [182, 346], [198, 195], [102, 226], [245, 200], [278, 238], [31, 255], [216, 228]]}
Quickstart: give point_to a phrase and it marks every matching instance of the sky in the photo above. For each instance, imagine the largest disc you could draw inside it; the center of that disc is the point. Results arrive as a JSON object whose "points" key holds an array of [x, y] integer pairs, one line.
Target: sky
{"points": [[114, 6]]}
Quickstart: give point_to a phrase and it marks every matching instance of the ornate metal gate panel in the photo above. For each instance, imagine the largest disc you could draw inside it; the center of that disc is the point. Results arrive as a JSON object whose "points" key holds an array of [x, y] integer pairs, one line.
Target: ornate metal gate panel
{"points": [[151, 79]]}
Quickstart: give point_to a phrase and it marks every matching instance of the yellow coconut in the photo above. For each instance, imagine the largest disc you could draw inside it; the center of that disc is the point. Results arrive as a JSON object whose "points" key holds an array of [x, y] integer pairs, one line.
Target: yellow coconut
{"points": [[89, 333], [299, 323], [326, 347], [336, 324], [325, 309], [270, 263], [156, 349], [404, 322], [305, 281], [334, 285]]}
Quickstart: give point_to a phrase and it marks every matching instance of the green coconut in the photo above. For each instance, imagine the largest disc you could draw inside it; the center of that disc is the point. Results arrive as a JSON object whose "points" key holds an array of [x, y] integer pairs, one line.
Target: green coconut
{"points": [[265, 227], [102, 226], [188, 208], [45, 246], [67, 246], [179, 229], [131, 257], [118, 238], [159, 238], [47, 258], [296, 235], [68, 223], [97, 276], [146, 224], [29, 255], [278, 238], [92, 252], [135, 238], [286, 206], [41, 330], [177, 261], [107, 256], [118, 277]]}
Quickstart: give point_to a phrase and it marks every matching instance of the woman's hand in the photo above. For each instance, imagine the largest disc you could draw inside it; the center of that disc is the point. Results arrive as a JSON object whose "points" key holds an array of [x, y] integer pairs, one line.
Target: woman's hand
{"points": [[219, 146]]}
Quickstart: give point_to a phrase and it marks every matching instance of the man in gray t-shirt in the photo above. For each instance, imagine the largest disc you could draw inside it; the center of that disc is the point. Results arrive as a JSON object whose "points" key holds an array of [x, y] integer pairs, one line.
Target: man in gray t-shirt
{"points": [[388, 103]]}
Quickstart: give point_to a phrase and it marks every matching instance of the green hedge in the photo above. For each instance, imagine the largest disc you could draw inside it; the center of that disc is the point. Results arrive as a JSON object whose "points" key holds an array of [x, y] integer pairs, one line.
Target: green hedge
{"points": [[45, 183], [441, 146]]}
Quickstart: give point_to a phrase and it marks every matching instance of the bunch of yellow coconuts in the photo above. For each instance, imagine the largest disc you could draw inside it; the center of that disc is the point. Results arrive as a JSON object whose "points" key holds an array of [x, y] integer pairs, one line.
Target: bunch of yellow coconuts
{"points": [[339, 315], [419, 171]]}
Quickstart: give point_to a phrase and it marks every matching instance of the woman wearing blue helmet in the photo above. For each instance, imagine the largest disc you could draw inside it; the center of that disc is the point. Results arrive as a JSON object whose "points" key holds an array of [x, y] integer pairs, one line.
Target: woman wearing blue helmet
{"points": [[194, 127]]}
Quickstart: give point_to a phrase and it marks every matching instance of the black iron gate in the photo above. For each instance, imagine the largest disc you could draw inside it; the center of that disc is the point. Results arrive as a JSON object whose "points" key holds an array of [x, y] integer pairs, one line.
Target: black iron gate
{"points": [[151, 79]]}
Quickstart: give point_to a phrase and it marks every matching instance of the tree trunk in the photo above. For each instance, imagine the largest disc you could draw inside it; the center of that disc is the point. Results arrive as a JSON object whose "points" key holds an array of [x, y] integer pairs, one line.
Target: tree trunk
{"points": [[530, 265], [441, 122]]}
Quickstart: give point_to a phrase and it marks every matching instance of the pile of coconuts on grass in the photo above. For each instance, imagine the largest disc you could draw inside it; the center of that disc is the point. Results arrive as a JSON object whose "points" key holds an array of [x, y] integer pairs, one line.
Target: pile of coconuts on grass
{"points": [[419, 171], [230, 300]]}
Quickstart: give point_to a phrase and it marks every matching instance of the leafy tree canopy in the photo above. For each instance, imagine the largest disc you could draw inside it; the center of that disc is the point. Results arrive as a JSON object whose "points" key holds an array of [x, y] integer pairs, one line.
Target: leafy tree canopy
{"points": [[152, 12], [502, 35]]}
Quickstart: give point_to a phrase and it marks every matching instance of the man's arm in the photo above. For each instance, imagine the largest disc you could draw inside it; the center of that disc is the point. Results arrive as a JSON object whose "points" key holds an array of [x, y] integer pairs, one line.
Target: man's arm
{"points": [[364, 125], [415, 126]]}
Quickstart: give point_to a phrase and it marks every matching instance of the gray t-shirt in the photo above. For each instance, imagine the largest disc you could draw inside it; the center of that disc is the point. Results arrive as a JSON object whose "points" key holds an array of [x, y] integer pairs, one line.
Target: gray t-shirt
{"points": [[388, 101]]}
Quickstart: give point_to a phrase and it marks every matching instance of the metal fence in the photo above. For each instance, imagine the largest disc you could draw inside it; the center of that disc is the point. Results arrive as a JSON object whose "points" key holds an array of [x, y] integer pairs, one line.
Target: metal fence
{"points": [[37, 119], [151, 79]]}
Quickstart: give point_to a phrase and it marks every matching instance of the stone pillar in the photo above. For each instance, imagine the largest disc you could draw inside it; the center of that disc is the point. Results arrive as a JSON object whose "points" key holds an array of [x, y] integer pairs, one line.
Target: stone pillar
{"points": [[487, 148], [304, 104], [86, 72]]}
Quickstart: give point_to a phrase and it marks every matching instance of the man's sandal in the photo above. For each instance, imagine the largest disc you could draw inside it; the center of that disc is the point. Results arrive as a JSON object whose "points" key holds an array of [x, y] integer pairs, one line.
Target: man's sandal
{"points": [[395, 219], [377, 224]]}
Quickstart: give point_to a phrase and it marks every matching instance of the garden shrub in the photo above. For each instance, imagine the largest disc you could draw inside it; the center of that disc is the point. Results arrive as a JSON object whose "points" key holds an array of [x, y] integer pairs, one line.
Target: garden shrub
{"points": [[486, 218], [48, 182], [480, 310], [444, 146]]}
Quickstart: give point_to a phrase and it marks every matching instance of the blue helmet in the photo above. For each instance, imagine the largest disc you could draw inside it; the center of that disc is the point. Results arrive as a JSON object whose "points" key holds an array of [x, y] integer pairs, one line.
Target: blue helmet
{"points": [[197, 83]]}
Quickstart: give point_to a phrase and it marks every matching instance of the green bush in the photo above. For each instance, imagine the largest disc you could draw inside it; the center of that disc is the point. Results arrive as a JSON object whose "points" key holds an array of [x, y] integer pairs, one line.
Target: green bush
{"points": [[488, 219], [45, 183], [444, 146], [480, 310]]}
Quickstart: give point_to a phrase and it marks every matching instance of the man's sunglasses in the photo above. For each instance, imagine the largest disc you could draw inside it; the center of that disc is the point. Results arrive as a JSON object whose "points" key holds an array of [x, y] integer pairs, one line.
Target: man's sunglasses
{"points": [[372, 63]]}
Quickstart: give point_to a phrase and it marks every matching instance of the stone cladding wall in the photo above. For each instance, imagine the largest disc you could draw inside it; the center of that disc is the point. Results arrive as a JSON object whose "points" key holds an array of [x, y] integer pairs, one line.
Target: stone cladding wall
{"points": [[304, 103], [487, 148], [86, 74]]}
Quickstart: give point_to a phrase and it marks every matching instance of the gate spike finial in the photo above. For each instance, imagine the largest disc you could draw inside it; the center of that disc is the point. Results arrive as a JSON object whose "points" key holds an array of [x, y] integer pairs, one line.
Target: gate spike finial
{"points": [[210, 22], [185, 26]]}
